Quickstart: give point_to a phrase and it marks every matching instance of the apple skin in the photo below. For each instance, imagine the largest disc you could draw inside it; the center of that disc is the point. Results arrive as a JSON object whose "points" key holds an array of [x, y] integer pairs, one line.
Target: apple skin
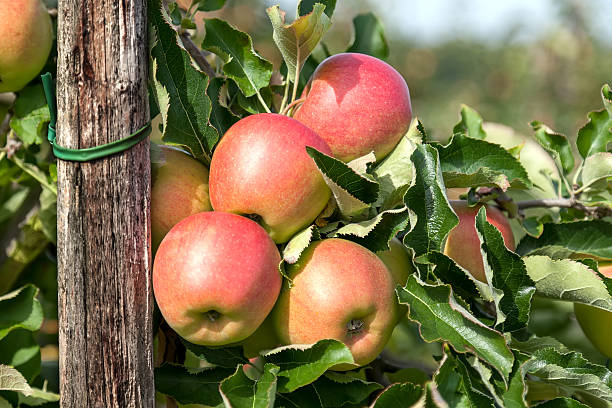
{"points": [[26, 38], [463, 245], [398, 262], [336, 282], [179, 189], [261, 168], [358, 104], [597, 323], [263, 339], [216, 278]]}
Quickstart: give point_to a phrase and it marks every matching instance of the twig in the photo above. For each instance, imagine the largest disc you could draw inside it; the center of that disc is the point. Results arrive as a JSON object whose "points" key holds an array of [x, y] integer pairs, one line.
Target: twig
{"points": [[197, 55]]}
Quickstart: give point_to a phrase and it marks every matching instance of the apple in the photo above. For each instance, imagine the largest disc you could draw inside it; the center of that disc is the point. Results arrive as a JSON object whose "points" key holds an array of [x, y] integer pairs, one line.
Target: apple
{"points": [[216, 278], [26, 37], [398, 261], [263, 339], [462, 243], [340, 290], [179, 189], [261, 169], [597, 323], [358, 104]]}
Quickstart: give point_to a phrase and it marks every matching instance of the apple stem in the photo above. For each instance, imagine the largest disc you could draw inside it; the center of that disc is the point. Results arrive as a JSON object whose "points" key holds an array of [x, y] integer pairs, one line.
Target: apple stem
{"points": [[285, 95], [296, 81], [292, 105]]}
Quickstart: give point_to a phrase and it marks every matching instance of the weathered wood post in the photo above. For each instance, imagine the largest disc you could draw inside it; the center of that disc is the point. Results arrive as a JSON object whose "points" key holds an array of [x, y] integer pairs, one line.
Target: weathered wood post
{"points": [[104, 260]]}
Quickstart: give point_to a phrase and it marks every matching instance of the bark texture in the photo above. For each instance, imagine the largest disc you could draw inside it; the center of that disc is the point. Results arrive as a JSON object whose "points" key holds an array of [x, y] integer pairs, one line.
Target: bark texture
{"points": [[104, 256]]}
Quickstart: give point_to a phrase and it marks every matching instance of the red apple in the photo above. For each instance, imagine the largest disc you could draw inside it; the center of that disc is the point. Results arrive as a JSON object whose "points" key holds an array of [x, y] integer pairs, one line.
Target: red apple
{"points": [[597, 323], [26, 37], [179, 189], [261, 168], [463, 245], [340, 291], [358, 104], [215, 277]]}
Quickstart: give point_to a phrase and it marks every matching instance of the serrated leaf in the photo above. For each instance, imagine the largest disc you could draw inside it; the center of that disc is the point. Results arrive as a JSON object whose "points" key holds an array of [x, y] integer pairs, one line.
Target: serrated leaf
{"points": [[470, 123], [209, 5], [302, 364], [220, 117], [589, 238], [476, 380], [595, 136], [507, 273], [572, 372], [555, 143], [535, 343], [532, 226], [396, 171], [568, 280], [369, 37], [561, 402], [463, 283], [20, 309], [442, 318], [180, 90], [352, 191], [12, 380], [297, 40], [514, 395], [453, 387], [299, 243], [31, 115], [241, 63], [196, 387], [376, 232], [468, 162], [227, 357], [597, 167], [399, 395], [427, 199], [239, 391], [307, 6]]}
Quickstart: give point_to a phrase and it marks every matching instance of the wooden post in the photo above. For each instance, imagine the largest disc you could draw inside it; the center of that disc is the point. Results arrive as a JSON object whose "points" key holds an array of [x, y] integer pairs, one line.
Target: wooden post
{"points": [[104, 259]]}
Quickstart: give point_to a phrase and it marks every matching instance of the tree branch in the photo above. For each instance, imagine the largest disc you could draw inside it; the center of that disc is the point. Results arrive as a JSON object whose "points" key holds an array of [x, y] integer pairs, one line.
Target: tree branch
{"points": [[197, 54]]}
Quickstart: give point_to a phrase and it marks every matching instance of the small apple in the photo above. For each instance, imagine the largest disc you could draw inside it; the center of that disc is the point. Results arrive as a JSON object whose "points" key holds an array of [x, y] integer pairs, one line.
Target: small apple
{"points": [[215, 278], [597, 323], [179, 189], [261, 168], [26, 37], [340, 290], [358, 104], [463, 245]]}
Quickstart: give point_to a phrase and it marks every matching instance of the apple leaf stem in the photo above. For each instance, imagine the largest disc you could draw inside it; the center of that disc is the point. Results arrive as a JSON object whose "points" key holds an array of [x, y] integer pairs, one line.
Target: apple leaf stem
{"points": [[285, 95], [197, 55], [296, 80]]}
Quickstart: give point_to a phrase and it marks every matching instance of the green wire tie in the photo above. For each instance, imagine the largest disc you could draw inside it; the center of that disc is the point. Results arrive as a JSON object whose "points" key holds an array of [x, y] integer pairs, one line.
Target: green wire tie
{"points": [[90, 153]]}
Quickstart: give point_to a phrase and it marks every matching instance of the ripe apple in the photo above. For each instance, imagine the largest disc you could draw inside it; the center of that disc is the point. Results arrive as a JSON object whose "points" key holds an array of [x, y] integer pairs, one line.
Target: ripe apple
{"points": [[597, 323], [358, 104], [26, 37], [179, 189], [398, 262], [263, 339], [463, 245], [340, 291], [261, 168], [215, 277]]}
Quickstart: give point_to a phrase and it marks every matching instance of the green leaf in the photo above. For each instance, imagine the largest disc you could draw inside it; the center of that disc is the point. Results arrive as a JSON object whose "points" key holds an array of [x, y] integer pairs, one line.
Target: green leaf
{"points": [[568, 280], [570, 371], [468, 162], [9, 208], [470, 123], [476, 380], [507, 272], [239, 391], [191, 387], [596, 134], [597, 167], [209, 5], [241, 63], [427, 199], [48, 215], [307, 6], [588, 238], [220, 117], [38, 397], [12, 380], [227, 357], [297, 40], [180, 90], [376, 232], [352, 191], [20, 310], [514, 395], [463, 283], [442, 318], [302, 364], [555, 143], [399, 395], [396, 171], [299, 243], [21, 351], [561, 402], [369, 37], [31, 115]]}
